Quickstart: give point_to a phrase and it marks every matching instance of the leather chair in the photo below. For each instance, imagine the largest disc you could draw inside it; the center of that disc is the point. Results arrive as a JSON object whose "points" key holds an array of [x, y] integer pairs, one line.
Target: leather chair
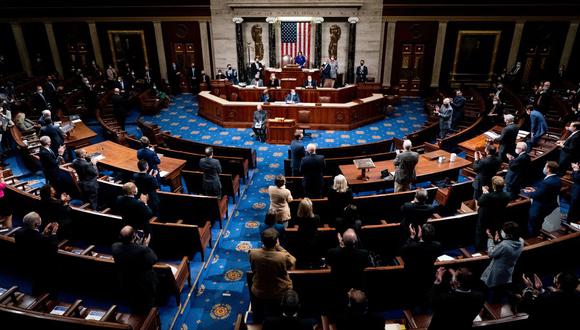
{"points": [[304, 122], [328, 83]]}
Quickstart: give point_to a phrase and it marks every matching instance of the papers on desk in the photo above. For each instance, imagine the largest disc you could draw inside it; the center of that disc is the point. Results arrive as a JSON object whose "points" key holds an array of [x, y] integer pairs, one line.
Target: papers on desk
{"points": [[58, 310], [523, 134], [476, 255], [163, 173], [445, 258], [575, 226], [95, 315], [98, 157], [492, 135], [393, 326], [173, 269], [76, 121]]}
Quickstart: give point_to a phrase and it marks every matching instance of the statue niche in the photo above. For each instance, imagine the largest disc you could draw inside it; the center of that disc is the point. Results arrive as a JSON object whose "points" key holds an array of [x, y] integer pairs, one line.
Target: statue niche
{"points": [[334, 37], [258, 45]]}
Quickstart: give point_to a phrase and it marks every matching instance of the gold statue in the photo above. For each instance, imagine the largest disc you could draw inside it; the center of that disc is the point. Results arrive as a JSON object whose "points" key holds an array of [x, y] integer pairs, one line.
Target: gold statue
{"points": [[257, 37], [334, 37]]}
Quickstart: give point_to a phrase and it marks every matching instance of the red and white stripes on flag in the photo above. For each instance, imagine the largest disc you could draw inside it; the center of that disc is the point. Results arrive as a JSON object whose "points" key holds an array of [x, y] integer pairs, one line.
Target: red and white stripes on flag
{"points": [[295, 37]]}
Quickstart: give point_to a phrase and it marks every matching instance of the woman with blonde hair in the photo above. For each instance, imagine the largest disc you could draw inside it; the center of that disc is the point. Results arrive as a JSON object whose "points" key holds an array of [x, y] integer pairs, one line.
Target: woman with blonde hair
{"points": [[279, 199], [339, 196], [307, 255]]}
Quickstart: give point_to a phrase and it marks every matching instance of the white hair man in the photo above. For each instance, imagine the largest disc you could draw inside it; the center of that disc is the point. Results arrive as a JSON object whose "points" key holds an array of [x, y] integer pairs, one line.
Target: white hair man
{"points": [[312, 168], [507, 139], [405, 163]]}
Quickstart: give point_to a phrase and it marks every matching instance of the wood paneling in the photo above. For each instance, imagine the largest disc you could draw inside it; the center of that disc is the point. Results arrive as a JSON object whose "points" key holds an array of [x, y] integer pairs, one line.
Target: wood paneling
{"points": [[37, 45], [8, 49], [185, 34], [71, 38]]}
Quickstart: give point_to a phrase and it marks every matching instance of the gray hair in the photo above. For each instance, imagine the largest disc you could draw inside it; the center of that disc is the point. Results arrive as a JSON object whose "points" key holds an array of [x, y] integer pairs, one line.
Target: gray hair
{"points": [[509, 118], [311, 148], [407, 144], [46, 113], [340, 183], [32, 220], [44, 140]]}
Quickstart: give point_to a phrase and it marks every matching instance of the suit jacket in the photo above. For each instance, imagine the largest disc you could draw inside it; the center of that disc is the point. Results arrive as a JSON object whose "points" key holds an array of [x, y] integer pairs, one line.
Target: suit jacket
{"points": [[312, 168], [150, 157], [292, 99], [538, 125], [257, 83], [516, 173], [279, 199], [232, 75], [260, 117], [445, 115], [211, 185], [555, 310], [571, 147], [270, 269], [405, 163], [311, 84], [40, 102], [50, 162], [55, 134], [546, 193], [35, 247], [326, 71], [415, 213], [454, 307], [296, 154], [507, 140], [123, 86], [119, 105], [300, 60], [361, 72], [346, 267], [134, 213], [147, 184], [492, 209], [274, 83], [87, 173], [419, 258], [486, 168], [194, 75]]}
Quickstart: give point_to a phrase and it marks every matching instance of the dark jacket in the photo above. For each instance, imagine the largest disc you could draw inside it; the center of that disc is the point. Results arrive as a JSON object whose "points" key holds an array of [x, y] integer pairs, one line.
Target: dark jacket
{"points": [[538, 126], [453, 307], [87, 173], [419, 258], [211, 185], [492, 209], [338, 201], [516, 173], [546, 193], [405, 163], [312, 83], [50, 161], [507, 140], [415, 213], [346, 267], [134, 213], [147, 184], [296, 154], [312, 168], [555, 310], [571, 149], [55, 134], [150, 157], [40, 102], [486, 168]]}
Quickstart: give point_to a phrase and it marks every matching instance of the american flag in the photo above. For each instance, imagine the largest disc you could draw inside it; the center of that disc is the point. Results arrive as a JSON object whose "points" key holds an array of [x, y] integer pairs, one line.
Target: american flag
{"points": [[295, 37]]}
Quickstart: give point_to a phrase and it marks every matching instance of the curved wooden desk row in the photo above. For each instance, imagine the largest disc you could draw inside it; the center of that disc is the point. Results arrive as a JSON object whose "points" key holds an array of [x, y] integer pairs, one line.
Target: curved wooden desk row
{"points": [[332, 95], [331, 116]]}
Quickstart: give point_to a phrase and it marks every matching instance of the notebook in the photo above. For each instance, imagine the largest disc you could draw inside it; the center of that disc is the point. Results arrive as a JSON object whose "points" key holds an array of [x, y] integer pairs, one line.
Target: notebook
{"points": [[95, 315], [58, 310]]}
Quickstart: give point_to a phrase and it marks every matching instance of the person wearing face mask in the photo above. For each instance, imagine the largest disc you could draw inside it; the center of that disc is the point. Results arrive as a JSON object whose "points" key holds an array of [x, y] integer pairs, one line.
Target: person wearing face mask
{"points": [[274, 82], [220, 75], [257, 82], [504, 248], [491, 211], [496, 111], [543, 100], [538, 125], [232, 74], [445, 113], [361, 72], [498, 91], [574, 210], [508, 137], [569, 148], [39, 100], [458, 104], [310, 83], [292, 98], [325, 71], [544, 197], [516, 173], [300, 59]]}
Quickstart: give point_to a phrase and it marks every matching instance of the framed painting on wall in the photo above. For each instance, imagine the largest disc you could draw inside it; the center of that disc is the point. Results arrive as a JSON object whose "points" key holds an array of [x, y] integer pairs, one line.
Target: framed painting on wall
{"points": [[475, 56], [128, 46]]}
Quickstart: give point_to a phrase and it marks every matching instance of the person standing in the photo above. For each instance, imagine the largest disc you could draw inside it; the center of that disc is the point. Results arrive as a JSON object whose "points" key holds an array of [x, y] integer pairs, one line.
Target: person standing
{"points": [[574, 210], [300, 60], [544, 197], [289, 320], [134, 210], [211, 184], [333, 67], [194, 79], [55, 134], [50, 162], [508, 137], [232, 74], [361, 72], [148, 154], [517, 168], [147, 185], [259, 125], [445, 113], [405, 163], [415, 213], [134, 261], [491, 211], [486, 168], [458, 103], [5, 210], [339, 196], [87, 172], [569, 148], [120, 107], [279, 199], [538, 125], [312, 168], [325, 71], [296, 153]]}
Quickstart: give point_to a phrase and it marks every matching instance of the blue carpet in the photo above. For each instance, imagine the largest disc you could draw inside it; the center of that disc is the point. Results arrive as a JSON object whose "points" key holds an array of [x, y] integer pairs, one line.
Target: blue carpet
{"points": [[221, 293]]}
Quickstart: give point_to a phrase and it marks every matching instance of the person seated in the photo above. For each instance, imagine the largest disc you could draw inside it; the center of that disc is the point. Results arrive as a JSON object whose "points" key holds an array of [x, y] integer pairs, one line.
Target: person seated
{"points": [[273, 82], [292, 98], [257, 82], [310, 83], [220, 75], [265, 97], [357, 315], [259, 126], [24, 125], [289, 320]]}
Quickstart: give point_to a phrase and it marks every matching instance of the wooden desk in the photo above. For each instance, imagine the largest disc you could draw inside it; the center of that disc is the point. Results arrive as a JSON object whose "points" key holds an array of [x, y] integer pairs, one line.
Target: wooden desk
{"points": [[121, 158], [280, 131], [426, 169], [80, 136], [292, 72], [477, 143], [310, 95]]}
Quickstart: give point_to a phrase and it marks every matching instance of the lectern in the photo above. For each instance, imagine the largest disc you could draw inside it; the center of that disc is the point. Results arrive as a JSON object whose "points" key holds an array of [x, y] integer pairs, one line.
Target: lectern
{"points": [[280, 130]]}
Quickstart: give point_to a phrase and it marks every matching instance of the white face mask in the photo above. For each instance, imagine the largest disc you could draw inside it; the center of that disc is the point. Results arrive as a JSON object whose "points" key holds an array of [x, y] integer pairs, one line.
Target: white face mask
{"points": [[545, 171], [495, 102], [502, 234]]}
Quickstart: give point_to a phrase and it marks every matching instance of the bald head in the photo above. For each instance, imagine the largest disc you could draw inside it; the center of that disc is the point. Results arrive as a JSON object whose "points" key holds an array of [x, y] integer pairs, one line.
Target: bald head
{"points": [[126, 234], [349, 238], [116, 91], [130, 189], [81, 153], [311, 148]]}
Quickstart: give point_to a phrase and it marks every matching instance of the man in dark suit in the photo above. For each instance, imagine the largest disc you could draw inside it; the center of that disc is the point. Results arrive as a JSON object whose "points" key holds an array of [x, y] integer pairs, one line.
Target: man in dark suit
{"points": [[491, 211], [312, 168], [50, 89], [357, 314], [457, 306], [259, 123], [544, 197], [174, 77], [361, 72], [544, 98], [458, 103], [538, 125], [296, 153], [486, 168], [54, 133], [256, 68], [518, 165], [211, 184], [134, 262], [419, 254], [289, 320], [147, 185], [220, 75], [39, 100], [310, 83], [569, 148], [122, 85], [205, 79], [405, 163], [133, 210], [574, 210], [120, 107], [87, 172], [292, 98], [194, 78], [325, 71], [37, 251], [46, 114], [416, 212], [232, 74], [148, 154], [507, 139], [50, 162]]}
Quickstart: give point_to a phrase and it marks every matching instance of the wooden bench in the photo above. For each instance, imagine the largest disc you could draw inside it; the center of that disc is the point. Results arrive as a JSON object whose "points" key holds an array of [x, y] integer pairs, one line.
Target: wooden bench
{"points": [[230, 183], [192, 209]]}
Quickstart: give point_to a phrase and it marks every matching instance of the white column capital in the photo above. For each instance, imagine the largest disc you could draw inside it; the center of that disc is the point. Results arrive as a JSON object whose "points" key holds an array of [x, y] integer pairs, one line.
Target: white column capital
{"points": [[271, 20], [237, 20], [318, 20], [353, 20]]}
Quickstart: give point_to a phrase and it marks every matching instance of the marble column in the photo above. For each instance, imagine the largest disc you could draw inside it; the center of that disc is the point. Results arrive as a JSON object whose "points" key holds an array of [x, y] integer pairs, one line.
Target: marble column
{"points": [[515, 47], [272, 41], [205, 51], [568, 45], [96, 45], [391, 26], [318, 42], [240, 48], [160, 49], [22, 49], [351, 50], [438, 54], [53, 48]]}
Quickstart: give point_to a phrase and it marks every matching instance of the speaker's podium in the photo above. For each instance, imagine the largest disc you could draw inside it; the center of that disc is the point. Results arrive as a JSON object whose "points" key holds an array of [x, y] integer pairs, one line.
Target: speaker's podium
{"points": [[280, 130]]}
